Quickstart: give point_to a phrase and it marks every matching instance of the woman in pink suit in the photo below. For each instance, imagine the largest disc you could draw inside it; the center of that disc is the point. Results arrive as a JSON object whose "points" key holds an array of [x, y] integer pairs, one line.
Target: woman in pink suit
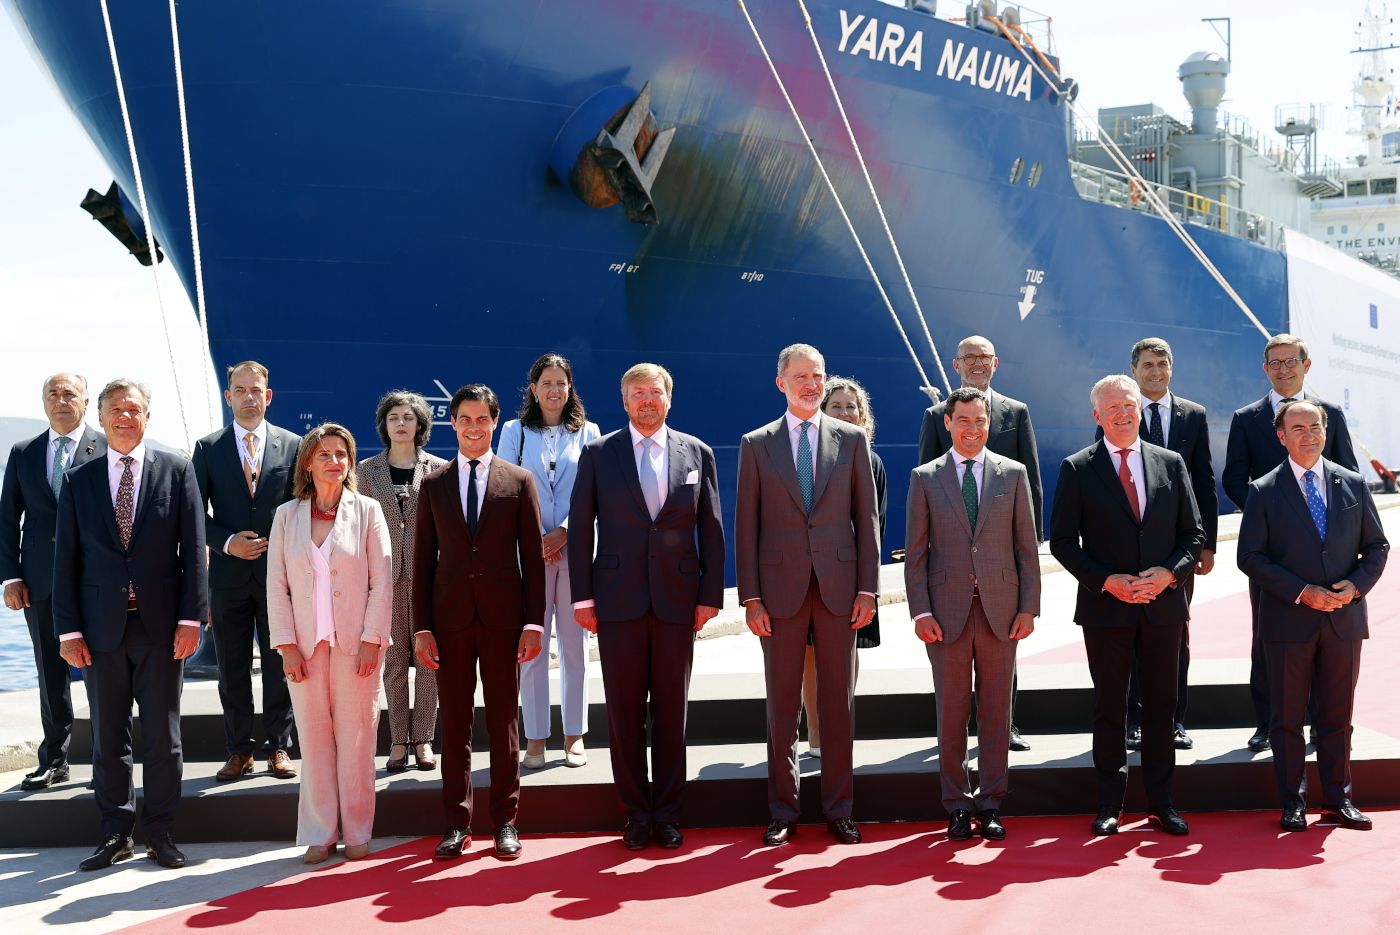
{"points": [[330, 598]]}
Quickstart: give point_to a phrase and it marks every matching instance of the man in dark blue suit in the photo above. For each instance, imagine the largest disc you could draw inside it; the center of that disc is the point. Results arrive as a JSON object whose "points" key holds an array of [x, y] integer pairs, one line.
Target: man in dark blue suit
{"points": [[245, 473], [1252, 451], [1311, 541], [130, 594], [28, 509], [656, 580]]}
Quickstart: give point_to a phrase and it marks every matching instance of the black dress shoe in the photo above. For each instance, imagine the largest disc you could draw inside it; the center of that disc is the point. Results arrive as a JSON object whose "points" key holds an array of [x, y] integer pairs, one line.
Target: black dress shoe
{"points": [[844, 831], [1346, 815], [1107, 820], [1169, 821], [1294, 818], [959, 824], [454, 842], [1182, 740], [779, 832], [1259, 742], [990, 822], [44, 777], [1018, 743], [668, 835], [162, 848], [114, 848], [507, 842], [1133, 739], [636, 836]]}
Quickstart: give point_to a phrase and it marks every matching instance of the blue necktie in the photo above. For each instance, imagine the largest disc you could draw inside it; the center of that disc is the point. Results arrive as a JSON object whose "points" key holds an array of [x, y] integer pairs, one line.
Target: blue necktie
{"points": [[60, 464], [804, 467], [1315, 505], [647, 475], [1154, 426]]}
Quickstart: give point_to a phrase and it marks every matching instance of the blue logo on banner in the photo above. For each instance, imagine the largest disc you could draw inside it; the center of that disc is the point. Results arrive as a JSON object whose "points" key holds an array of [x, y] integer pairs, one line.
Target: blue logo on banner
{"points": [[1375, 318]]}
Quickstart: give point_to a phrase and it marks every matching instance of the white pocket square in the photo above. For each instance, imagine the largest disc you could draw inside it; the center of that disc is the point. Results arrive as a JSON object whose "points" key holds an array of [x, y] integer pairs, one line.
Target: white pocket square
{"points": [[693, 477]]}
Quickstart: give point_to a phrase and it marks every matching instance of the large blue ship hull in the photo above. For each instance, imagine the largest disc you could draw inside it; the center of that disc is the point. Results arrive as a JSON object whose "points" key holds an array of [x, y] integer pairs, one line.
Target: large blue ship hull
{"points": [[376, 210]]}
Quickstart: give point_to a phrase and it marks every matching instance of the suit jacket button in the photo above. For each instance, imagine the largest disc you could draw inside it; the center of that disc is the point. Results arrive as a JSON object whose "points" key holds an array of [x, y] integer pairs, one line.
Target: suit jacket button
{"points": [[336, 571], [471, 576], [400, 525], [337, 594], [974, 548]]}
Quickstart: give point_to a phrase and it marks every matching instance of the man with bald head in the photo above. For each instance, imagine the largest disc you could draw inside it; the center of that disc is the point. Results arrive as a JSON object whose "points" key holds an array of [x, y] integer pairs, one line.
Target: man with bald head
{"points": [[1009, 434], [34, 475]]}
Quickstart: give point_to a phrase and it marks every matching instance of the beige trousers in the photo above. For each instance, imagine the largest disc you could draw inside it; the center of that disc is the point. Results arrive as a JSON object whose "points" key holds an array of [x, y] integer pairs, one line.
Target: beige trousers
{"points": [[337, 715]]}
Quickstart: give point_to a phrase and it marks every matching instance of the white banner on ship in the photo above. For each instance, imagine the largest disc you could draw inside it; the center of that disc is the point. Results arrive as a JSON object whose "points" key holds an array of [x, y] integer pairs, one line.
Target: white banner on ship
{"points": [[1349, 315]]}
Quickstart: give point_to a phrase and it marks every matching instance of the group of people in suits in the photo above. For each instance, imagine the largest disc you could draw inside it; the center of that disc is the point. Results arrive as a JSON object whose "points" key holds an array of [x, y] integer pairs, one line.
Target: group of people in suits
{"points": [[471, 564]]}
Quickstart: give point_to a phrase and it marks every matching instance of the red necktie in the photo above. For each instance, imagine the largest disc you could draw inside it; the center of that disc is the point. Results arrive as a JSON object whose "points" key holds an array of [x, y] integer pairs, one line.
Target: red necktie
{"points": [[1125, 476]]}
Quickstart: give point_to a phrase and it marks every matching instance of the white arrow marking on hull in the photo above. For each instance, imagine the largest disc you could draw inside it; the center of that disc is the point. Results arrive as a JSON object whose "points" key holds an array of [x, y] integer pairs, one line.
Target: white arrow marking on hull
{"points": [[1028, 303]]}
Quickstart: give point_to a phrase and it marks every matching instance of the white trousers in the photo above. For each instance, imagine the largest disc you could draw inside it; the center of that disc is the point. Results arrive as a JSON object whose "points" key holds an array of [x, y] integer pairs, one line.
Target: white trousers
{"points": [[337, 715], [573, 662]]}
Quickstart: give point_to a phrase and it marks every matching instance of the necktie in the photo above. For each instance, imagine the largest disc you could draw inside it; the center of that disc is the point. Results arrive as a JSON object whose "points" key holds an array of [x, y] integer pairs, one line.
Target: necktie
{"points": [[1154, 426], [60, 464], [472, 505], [804, 467], [969, 492], [1125, 477], [1315, 505], [249, 474], [126, 509], [647, 475]]}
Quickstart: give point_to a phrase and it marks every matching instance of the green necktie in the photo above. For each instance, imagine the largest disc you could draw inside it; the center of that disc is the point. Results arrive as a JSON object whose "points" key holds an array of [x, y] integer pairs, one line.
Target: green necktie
{"points": [[969, 492]]}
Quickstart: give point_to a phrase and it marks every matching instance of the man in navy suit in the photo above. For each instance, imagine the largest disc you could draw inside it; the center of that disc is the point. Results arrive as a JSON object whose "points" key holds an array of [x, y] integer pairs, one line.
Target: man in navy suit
{"points": [[28, 511], [1252, 451], [245, 473], [1311, 540], [1125, 525], [130, 594], [656, 580]]}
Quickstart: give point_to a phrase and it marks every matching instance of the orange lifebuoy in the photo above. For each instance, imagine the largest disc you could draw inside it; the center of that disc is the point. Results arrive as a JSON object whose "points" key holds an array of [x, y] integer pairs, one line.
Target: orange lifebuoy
{"points": [[1135, 192]]}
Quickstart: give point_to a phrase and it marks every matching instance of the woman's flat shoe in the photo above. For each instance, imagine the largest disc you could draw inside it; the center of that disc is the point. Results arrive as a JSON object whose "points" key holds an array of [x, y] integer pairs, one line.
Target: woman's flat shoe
{"points": [[356, 851], [316, 854], [574, 754], [532, 761], [424, 758]]}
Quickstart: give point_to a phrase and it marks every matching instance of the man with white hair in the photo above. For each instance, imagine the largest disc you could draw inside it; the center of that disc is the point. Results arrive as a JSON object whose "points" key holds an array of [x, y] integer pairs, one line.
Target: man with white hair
{"points": [[1125, 524]]}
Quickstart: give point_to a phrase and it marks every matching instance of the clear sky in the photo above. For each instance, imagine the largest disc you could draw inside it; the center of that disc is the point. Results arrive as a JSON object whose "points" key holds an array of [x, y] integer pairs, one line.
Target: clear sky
{"points": [[72, 298]]}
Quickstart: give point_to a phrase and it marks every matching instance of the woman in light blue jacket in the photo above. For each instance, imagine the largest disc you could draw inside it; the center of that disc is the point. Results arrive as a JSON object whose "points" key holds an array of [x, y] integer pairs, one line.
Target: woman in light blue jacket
{"points": [[547, 440]]}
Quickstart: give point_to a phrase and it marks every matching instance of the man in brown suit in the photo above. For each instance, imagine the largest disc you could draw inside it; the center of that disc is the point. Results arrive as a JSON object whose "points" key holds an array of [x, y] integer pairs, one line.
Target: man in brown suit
{"points": [[973, 579], [478, 575], [807, 552]]}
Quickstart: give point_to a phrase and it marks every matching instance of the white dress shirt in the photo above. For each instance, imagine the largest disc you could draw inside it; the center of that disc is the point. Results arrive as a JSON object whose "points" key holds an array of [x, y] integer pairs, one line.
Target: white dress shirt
{"points": [[660, 462], [464, 475], [1134, 468], [115, 470], [794, 427], [1319, 479], [322, 606], [1164, 411], [1276, 400]]}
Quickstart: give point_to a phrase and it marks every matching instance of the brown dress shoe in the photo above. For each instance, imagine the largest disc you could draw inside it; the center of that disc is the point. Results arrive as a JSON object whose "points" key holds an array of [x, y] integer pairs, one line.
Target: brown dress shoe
{"points": [[238, 766], [279, 765]]}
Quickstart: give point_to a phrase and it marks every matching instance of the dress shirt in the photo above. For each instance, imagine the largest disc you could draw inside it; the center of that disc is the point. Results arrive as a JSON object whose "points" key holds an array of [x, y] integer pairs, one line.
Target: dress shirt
{"points": [[322, 607], [1319, 479], [794, 426], [1276, 400], [254, 463], [464, 475], [1164, 413], [1134, 468], [115, 469], [979, 464], [660, 461]]}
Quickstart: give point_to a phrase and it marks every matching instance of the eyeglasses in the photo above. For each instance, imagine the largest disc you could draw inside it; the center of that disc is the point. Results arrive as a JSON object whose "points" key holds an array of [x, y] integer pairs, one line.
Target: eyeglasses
{"points": [[1289, 362], [974, 359]]}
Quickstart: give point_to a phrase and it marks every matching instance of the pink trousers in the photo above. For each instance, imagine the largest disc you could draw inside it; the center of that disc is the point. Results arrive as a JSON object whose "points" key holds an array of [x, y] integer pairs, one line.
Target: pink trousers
{"points": [[337, 715]]}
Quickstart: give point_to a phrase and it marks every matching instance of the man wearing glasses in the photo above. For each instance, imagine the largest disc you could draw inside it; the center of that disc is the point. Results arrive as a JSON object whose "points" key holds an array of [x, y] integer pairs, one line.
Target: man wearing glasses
{"points": [[1009, 434], [1253, 450]]}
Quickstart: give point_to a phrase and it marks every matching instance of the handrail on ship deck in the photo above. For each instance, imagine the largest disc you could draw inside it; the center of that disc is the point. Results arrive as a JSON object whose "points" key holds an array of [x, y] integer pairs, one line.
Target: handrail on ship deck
{"points": [[1115, 188]]}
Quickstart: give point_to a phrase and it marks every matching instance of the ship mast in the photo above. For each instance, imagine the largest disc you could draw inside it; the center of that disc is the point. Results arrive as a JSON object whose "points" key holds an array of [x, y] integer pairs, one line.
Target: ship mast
{"points": [[1374, 89]]}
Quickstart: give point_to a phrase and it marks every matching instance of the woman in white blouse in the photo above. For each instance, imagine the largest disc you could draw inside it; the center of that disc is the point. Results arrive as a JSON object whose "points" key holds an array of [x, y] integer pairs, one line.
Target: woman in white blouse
{"points": [[329, 597], [546, 440]]}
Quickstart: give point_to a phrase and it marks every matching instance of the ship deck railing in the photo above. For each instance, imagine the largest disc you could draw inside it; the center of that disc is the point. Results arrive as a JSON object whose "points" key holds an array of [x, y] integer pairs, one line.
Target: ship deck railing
{"points": [[1115, 188]]}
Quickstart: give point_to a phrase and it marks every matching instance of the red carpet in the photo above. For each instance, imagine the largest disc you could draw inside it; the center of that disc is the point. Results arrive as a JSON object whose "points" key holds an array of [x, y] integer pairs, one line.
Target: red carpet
{"points": [[1049, 875]]}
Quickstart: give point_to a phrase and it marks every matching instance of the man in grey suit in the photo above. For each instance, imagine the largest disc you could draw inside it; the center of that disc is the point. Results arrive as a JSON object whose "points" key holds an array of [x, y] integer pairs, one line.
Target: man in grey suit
{"points": [[807, 555], [28, 511], [972, 574], [656, 580], [245, 473], [1311, 541], [1009, 434]]}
